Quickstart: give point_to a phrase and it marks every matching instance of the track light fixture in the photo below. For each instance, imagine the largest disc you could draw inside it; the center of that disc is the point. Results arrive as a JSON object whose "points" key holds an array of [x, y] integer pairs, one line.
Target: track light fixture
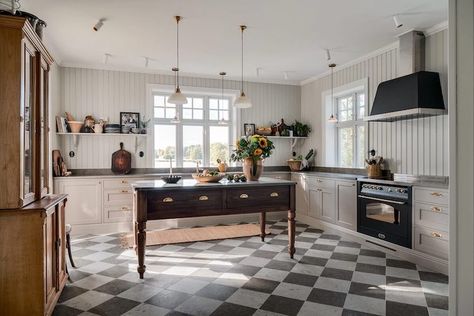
{"points": [[396, 20], [98, 25]]}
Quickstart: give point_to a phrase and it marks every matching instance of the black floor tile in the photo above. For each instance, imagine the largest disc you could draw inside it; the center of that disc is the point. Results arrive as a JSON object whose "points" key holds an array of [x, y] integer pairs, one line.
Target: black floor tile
{"points": [[229, 309], [69, 292], [323, 247], [437, 301], [371, 268], [260, 285], [400, 264], [114, 306], [367, 290], [337, 274], [372, 253], [344, 256], [301, 279], [330, 236], [282, 305], [397, 309], [216, 291], [314, 261], [168, 299], [433, 277], [244, 269], [280, 265], [327, 297], [348, 312], [351, 244], [115, 272], [264, 254], [63, 310], [115, 287]]}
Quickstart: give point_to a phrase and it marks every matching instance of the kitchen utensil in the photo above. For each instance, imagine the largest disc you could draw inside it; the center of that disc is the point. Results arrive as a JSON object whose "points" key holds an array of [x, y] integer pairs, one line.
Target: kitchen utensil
{"points": [[121, 161]]}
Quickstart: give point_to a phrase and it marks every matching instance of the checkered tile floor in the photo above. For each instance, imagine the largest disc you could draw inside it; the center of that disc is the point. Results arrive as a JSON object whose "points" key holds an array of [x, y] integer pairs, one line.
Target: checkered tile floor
{"points": [[243, 276]]}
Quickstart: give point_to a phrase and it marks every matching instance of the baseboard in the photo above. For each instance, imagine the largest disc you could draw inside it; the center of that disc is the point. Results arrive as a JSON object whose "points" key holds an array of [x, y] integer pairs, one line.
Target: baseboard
{"points": [[111, 228], [425, 260]]}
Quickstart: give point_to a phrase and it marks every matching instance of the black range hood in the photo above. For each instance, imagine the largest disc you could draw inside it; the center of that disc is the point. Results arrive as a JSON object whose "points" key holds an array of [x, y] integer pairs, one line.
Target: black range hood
{"points": [[412, 96]]}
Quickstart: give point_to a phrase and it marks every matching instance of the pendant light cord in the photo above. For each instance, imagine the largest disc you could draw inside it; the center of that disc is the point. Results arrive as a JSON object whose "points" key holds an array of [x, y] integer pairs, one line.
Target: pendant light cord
{"points": [[242, 28], [332, 89], [178, 18]]}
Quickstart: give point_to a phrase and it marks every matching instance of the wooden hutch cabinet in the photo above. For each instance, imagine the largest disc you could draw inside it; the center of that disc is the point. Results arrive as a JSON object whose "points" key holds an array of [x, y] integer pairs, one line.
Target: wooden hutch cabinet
{"points": [[32, 233]]}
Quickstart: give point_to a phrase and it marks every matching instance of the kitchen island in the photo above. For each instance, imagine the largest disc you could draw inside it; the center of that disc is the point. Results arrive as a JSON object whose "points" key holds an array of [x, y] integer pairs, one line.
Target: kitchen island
{"points": [[154, 200]]}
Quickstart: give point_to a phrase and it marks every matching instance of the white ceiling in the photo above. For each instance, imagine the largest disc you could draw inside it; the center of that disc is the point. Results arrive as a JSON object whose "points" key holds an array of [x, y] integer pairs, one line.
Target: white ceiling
{"points": [[282, 35]]}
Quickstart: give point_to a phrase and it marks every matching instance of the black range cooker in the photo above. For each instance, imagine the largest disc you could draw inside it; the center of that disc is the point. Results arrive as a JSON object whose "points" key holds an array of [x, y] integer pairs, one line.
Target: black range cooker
{"points": [[384, 211]]}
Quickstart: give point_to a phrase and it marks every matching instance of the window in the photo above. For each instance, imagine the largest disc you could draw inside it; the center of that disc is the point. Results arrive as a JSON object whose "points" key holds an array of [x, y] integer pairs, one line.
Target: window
{"points": [[200, 130], [350, 134]]}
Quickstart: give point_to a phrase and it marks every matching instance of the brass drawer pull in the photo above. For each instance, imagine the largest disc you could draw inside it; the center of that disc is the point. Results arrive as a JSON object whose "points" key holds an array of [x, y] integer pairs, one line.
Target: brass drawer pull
{"points": [[436, 209], [437, 235], [244, 196], [124, 208], [274, 194], [124, 181], [436, 194], [125, 191], [203, 198], [168, 200]]}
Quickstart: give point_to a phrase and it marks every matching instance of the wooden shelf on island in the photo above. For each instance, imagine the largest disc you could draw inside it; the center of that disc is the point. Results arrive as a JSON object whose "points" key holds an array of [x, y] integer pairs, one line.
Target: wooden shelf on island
{"points": [[76, 136]]}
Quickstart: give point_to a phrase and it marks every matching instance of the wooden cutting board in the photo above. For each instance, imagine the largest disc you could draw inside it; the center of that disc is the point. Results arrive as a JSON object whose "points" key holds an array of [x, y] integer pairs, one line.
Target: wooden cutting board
{"points": [[121, 161]]}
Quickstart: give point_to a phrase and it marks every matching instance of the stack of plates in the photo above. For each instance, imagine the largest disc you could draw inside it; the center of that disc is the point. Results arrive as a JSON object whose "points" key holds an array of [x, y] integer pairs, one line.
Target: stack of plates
{"points": [[112, 128]]}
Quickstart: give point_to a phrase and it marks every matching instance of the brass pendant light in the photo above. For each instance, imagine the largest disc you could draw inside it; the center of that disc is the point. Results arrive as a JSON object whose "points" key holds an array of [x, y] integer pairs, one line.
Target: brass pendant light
{"points": [[332, 118], [177, 97], [242, 101]]}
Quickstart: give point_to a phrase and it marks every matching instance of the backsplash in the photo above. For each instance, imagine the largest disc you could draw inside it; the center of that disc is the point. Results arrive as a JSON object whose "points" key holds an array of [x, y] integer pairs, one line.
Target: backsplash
{"points": [[105, 93]]}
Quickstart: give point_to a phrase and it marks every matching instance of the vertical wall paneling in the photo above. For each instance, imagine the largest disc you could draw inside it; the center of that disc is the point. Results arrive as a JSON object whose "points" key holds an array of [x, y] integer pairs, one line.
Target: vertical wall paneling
{"points": [[104, 94], [417, 146]]}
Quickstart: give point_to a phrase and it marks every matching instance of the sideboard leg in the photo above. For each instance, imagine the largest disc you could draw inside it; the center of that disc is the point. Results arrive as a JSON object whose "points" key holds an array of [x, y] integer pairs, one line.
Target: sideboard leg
{"points": [[262, 225], [135, 237], [291, 233], [141, 248]]}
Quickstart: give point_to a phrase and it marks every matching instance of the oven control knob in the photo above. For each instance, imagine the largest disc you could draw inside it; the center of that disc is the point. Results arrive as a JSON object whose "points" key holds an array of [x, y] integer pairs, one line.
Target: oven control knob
{"points": [[380, 188], [389, 190]]}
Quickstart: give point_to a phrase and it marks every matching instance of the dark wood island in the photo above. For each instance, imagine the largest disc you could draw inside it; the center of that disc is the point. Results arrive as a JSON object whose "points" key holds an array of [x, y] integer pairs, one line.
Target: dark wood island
{"points": [[155, 200]]}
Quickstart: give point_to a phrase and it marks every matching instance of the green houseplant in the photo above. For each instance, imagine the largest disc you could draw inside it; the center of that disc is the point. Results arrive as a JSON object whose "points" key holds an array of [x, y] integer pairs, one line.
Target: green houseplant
{"points": [[300, 129]]}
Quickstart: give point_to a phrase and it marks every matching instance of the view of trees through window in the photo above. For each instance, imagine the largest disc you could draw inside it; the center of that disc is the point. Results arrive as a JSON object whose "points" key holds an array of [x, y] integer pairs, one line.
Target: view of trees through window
{"points": [[202, 134], [351, 148]]}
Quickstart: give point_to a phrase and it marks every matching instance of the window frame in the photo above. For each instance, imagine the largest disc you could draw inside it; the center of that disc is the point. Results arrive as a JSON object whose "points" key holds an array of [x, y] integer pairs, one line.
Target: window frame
{"points": [[205, 93], [354, 123]]}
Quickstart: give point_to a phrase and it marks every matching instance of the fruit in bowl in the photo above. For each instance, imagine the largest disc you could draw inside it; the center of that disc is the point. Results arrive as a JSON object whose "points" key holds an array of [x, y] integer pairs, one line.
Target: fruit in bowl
{"points": [[208, 176], [264, 131]]}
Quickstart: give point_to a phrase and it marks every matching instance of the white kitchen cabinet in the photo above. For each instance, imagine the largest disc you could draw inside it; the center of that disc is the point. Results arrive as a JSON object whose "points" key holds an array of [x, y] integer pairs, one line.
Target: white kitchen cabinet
{"points": [[302, 193], [84, 202], [322, 199], [346, 208], [278, 175]]}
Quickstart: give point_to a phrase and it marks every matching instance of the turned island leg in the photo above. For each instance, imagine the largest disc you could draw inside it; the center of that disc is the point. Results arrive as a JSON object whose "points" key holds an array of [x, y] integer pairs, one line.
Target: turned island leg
{"points": [[262, 225], [291, 233], [141, 248]]}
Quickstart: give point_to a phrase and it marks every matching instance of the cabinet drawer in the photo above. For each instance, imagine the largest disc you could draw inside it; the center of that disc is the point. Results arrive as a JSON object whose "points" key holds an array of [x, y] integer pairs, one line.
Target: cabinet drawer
{"points": [[274, 198], [118, 196], [279, 175], [432, 241], [434, 196], [114, 214], [183, 203], [118, 183], [322, 183], [434, 216]]}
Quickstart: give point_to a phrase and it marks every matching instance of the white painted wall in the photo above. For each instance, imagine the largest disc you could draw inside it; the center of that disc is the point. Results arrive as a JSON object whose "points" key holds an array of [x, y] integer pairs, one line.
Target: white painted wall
{"points": [[104, 93], [414, 147]]}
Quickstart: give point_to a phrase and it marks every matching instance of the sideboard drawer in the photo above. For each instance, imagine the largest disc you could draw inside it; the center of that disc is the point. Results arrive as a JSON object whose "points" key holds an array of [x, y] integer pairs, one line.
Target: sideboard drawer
{"points": [[431, 241], [435, 216], [182, 202], [433, 196], [274, 197]]}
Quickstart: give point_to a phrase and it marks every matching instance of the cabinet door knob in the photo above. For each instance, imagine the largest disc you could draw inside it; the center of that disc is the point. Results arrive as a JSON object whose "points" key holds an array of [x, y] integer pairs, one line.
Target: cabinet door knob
{"points": [[436, 194], [168, 200], [244, 196], [274, 194], [203, 198], [436, 235], [435, 209]]}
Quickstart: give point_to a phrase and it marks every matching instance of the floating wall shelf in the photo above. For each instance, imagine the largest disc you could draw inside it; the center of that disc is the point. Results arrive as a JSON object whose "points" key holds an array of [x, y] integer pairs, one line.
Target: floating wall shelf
{"points": [[76, 136], [293, 139]]}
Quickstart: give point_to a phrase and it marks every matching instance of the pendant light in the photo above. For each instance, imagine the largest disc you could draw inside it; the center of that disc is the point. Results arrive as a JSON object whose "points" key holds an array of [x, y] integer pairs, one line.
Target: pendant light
{"points": [[242, 101], [177, 97], [332, 118], [222, 121]]}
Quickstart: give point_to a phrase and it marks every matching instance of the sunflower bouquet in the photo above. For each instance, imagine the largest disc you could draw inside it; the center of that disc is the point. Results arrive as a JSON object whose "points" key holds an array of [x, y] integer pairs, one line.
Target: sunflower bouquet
{"points": [[252, 150]]}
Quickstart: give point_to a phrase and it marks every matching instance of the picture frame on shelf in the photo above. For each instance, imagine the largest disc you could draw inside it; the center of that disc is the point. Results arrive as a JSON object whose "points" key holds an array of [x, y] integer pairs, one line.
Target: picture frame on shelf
{"points": [[129, 122], [249, 129]]}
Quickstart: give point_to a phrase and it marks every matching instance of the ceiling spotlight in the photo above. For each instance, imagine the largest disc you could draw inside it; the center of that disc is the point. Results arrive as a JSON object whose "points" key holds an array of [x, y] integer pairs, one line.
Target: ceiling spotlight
{"points": [[98, 25], [285, 75], [259, 71], [147, 61], [106, 58], [397, 22]]}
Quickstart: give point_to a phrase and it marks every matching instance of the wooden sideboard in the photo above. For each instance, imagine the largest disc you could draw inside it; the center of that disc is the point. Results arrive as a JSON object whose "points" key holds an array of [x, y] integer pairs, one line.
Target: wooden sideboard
{"points": [[157, 200], [32, 249]]}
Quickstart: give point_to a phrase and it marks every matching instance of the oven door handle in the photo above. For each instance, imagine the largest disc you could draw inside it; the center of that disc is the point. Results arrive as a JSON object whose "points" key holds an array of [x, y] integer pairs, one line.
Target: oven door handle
{"points": [[382, 200]]}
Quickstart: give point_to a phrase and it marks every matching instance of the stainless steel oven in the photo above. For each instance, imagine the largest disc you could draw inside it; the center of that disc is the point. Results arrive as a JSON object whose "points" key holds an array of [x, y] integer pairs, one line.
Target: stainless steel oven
{"points": [[384, 211]]}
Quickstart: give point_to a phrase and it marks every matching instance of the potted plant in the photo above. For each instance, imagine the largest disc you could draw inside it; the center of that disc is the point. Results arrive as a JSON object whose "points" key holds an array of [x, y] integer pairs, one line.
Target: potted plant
{"points": [[300, 129], [251, 151]]}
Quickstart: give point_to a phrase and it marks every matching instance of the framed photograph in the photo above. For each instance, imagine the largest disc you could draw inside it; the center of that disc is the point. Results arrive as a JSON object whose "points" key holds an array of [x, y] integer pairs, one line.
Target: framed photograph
{"points": [[249, 129], [129, 122]]}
